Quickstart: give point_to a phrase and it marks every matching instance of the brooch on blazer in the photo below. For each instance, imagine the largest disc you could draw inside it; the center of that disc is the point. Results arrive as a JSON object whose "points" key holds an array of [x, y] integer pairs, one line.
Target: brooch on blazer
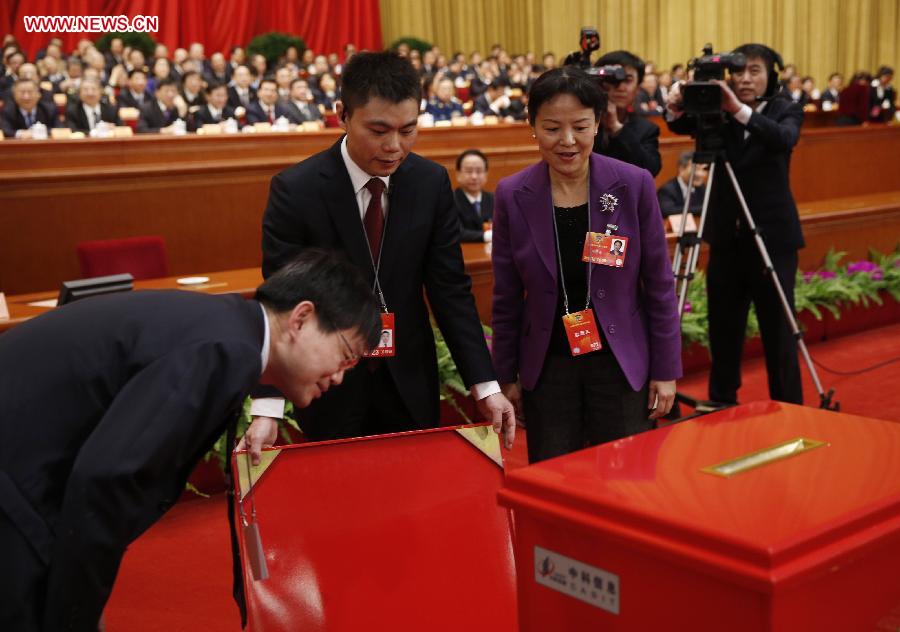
{"points": [[608, 202]]}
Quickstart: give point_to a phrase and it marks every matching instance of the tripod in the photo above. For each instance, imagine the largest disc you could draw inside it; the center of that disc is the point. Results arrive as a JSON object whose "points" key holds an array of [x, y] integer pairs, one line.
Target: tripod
{"points": [[684, 266]]}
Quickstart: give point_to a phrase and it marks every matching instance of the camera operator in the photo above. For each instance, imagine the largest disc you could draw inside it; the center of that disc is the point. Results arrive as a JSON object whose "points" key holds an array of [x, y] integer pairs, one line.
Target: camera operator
{"points": [[625, 134], [759, 135]]}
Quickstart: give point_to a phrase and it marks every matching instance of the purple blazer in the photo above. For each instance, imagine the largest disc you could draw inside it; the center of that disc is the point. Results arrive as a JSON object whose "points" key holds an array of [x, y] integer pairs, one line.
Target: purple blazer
{"points": [[635, 304]]}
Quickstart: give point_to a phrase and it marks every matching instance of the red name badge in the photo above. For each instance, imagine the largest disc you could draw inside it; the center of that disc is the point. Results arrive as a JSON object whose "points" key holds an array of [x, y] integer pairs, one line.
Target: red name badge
{"points": [[605, 250], [385, 348], [582, 332]]}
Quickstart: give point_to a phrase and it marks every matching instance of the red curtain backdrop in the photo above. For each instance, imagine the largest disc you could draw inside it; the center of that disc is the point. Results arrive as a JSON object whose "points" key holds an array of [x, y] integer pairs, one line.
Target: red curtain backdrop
{"points": [[325, 25]]}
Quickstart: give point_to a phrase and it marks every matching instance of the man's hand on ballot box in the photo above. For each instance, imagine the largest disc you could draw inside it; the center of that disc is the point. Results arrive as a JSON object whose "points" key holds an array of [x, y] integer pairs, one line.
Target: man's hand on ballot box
{"points": [[262, 433], [500, 412]]}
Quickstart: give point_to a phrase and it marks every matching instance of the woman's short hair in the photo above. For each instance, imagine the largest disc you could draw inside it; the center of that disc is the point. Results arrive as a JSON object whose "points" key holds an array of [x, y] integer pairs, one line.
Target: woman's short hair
{"points": [[566, 80]]}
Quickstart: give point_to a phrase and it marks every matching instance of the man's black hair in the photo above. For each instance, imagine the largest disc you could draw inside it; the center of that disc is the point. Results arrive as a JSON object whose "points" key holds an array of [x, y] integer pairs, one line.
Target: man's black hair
{"points": [[685, 158], [385, 75], [168, 81], [297, 80], [213, 85], [135, 71], [343, 300], [623, 58], [268, 79], [189, 73], [471, 152], [566, 80], [770, 58], [498, 82]]}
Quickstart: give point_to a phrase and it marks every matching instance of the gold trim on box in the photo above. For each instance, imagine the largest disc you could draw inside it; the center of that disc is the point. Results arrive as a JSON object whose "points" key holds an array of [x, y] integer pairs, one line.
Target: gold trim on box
{"points": [[768, 455]]}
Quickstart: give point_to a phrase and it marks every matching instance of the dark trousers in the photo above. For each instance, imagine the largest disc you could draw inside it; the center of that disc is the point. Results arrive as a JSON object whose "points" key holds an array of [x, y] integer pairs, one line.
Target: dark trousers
{"points": [[23, 582], [366, 403], [579, 402], [735, 277]]}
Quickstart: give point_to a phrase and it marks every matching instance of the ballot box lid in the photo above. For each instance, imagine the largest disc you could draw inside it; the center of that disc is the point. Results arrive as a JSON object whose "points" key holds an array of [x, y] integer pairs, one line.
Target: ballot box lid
{"points": [[764, 490]]}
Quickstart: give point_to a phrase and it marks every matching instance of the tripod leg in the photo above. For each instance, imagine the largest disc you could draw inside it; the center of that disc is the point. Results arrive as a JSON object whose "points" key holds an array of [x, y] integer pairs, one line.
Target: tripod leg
{"points": [[825, 399]]}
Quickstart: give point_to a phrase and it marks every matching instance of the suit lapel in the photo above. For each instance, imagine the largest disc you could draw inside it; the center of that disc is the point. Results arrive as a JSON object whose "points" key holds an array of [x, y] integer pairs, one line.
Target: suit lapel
{"points": [[535, 201], [340, 201], [605, 185]]}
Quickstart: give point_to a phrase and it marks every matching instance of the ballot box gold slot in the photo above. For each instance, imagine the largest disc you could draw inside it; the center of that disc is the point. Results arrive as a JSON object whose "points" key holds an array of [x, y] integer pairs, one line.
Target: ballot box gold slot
{"points": [[774, 453]]}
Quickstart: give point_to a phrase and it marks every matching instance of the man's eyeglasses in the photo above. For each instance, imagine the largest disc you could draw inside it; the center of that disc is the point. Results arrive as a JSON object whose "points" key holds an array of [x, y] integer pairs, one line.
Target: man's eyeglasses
{"points": [[351, 358]]}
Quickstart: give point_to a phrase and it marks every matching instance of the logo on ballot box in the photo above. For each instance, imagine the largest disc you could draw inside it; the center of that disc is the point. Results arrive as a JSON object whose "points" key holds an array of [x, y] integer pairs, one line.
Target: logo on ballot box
{"points": [[586, 583]]}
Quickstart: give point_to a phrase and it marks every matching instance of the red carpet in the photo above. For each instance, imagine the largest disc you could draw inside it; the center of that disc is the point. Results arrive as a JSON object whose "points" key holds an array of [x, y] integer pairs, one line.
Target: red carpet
{"points": [[177, 577]]}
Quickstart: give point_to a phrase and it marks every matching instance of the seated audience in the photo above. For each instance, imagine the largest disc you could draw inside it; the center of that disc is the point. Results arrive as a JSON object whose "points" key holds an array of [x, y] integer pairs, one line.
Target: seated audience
{"points": [[474, 205], [444, 105], [116, 54], [301, 108], [135, 94], [649, 97], [240, 93], [283, 77], [809, 88], [87, 112], [160, 114], [853, 106], [671, 195], [219, 70], [883, 97], [216, 108], [328, 92], [192, 89], [494, 101], [832, 92], [794, 91], [24, 110], [161, 71]]}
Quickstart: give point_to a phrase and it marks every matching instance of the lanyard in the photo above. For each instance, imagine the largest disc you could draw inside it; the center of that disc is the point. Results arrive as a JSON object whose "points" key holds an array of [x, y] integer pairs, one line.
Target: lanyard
{"points": [[562, 276], [376, 264]]}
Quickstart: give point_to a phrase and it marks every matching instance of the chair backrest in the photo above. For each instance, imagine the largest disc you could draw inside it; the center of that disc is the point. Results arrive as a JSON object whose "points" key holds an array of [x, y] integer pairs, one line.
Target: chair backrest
{"points": [[143, 257]]}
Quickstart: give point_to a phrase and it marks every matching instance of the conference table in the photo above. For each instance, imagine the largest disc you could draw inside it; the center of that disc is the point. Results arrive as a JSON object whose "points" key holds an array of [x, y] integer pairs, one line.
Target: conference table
{"points": [[244, 281]]}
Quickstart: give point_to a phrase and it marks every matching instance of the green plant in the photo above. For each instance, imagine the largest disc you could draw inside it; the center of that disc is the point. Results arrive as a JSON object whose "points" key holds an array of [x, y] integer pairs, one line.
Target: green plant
{"points": [[274, 45], [141, 41], [449, 378], [221, 450], [413, 43]]}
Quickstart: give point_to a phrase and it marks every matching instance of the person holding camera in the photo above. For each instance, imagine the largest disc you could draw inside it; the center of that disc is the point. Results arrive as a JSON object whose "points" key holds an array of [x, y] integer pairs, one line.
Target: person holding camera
{"points": [[760, 132], [624, 134]]}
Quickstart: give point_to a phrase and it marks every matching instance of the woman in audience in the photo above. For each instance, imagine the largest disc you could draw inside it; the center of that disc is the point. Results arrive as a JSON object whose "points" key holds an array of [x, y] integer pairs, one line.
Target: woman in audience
{"points": [[328, 92], [574, 388], [162, 70]]}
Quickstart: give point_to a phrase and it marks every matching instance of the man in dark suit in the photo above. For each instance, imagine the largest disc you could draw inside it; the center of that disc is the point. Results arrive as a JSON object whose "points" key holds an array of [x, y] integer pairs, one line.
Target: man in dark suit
{"points": [[85, 114], [160, 114], [216, 109], [135, 95], [26, 109], [391, 212], [671, 195], [883, 97], [267, 108], [474, 205], [624, 134], [241, 93], [142, 384], [192, 89], [759, 136], [300, 107]]}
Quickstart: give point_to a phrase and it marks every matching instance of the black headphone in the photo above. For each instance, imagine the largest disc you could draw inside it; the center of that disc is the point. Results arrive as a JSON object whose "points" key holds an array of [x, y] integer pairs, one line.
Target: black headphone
{"points": [[777, 66]]}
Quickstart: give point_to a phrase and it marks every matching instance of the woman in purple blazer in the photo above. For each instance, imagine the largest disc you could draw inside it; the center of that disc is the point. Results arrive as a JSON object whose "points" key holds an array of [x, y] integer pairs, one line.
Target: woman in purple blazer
{"points": [[569, 393]]}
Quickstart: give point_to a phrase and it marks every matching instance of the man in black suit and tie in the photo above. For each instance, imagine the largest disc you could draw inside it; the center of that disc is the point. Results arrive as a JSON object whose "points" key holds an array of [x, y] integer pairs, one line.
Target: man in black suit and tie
{"points": [[760, 136], [474, 205], [24, 110], [392, 213], [671, 195], [241, 93], [300, 107], [160, 114], [216, 109], [140, 386], [85, 114], [267, 109], [135, 95], [626, 135]]}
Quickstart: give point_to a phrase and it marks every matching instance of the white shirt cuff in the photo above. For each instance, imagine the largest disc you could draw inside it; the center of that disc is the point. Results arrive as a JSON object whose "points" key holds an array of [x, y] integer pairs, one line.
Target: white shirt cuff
{"points": [[267, 407], [485, 389], [488, 235], [743, 115]]}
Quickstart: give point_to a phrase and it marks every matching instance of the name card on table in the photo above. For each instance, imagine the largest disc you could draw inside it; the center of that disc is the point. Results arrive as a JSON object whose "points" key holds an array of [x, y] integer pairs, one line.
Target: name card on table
{"points": [[262, 127], [210, 128], [57, 133], [4, 310], [122, 131]]}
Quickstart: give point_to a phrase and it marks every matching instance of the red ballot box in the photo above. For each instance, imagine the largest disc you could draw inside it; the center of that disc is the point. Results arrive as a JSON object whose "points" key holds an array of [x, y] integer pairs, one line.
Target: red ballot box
{"points": [[396, 532], [763, 517]]}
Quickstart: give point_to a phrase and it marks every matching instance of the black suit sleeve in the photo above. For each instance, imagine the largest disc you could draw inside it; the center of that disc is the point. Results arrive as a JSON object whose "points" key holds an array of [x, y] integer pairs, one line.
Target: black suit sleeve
{"points": [[6, 123], [283, 231], [670, 203], [637, 144], [133, 466], [777, 135], [449, 291]]}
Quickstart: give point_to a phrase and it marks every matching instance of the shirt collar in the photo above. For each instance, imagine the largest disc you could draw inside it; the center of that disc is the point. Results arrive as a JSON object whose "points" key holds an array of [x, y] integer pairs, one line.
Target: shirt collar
{"points": [[88, 108], [472, 199], [684, 187], [358, 176], [264, 355]]}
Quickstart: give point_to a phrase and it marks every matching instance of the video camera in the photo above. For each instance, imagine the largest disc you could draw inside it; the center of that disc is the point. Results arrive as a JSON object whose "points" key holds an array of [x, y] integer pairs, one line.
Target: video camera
{"points": [[589, 41], [702, 96]]}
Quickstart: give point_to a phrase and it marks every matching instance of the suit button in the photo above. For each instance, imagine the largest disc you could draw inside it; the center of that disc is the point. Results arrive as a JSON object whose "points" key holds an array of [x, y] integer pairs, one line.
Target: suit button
{"points": [[611, 329], [601, 294]]}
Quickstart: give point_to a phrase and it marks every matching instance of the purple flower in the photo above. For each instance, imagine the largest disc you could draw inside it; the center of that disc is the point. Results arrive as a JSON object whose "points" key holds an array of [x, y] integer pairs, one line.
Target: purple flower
{"points": [[826, 274], [878, 275], [687, 307], [808, 276], [862, 266], [897, 263]]}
